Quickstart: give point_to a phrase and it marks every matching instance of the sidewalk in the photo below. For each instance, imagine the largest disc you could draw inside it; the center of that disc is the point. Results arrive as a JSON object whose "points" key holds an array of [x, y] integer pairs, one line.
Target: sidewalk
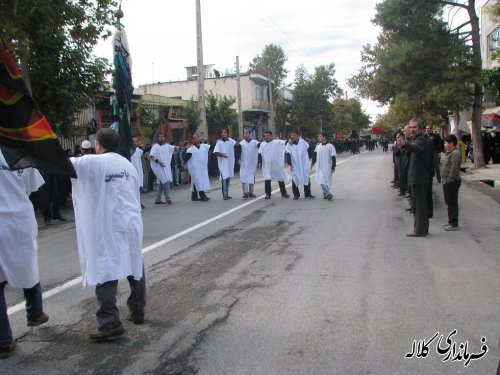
{"points": [[490, 174]]}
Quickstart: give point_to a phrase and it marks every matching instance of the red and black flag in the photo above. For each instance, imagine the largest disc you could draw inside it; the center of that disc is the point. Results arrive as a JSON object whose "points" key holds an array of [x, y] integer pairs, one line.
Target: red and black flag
{"points": [[26, 137]]}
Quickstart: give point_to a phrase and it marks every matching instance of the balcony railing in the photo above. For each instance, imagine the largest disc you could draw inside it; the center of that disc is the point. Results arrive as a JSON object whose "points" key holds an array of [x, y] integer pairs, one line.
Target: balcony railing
{"points": [[260, 104]]}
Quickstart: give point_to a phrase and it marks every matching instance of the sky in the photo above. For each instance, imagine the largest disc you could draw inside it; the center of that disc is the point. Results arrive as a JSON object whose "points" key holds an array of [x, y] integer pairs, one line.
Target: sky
{"points": [[162, 36]]}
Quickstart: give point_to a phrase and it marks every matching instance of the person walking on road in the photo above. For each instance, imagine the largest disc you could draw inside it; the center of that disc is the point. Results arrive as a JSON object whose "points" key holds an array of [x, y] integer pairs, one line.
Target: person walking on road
{"points": [[326, 156], [109, 231], [197, 164], [272, 152], [224, 150], [298, 159], [161, 157], [248, 163], [450, 177], [418, 177], [18, 248]]}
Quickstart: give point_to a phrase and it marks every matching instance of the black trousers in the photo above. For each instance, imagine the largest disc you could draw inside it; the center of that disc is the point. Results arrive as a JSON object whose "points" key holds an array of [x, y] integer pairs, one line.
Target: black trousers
{"points": [[450, 190], [421, 213], [108, 315], [307, 190], [267, 187], [430, 202]]}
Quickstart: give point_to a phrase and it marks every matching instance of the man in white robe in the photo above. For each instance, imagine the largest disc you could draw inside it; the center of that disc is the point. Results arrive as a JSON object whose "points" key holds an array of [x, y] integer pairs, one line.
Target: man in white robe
{"points": [[18, 247], [109, 231], [136, 160], [248, 162], [161, 157], [326, 157], [298, 158], [272, 152], [197, 164], [224, 150]]}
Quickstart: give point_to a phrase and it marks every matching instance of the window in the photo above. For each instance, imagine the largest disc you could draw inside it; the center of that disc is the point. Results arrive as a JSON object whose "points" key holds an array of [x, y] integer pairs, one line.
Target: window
{"points": [[493, 41]]}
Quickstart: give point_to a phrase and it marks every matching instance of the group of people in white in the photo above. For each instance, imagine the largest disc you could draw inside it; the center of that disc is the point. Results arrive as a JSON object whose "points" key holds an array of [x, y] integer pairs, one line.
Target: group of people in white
{"points": [[109, 226], [270, 154]]}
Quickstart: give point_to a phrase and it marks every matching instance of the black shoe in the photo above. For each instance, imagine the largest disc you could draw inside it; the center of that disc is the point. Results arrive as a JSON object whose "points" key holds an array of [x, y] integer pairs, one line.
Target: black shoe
{"points": [[60, 218], [136, 320], [285, 196], [169, 201], [43, 318], [107, 334], [329, 197], [142, 206], [228, 197], [159, 202], [251, 195], [310, 196], [295, 197], [48, 222], [194, 199], [6, 349], [245, 196], [205, 199], [268, 196], [225, 197], [408, 209]]}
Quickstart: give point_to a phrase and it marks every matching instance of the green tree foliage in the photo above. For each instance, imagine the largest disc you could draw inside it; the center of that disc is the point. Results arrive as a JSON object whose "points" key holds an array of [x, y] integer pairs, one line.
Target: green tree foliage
{"points": [[348, 115], [418, 57], [193, 115], [219, 111], [310, 106], [490, 78], [270, 64], [54, 42], [151, 116]]}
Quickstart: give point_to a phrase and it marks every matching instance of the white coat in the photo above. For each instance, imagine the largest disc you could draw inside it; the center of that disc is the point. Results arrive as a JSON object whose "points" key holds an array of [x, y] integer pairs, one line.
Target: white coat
{"points": [[18, 229], [198, 167], [300, 162], [324, 155], [226, 166], [136, 160], [249, 160], [164, 154], [108, 218], [273, 159]]}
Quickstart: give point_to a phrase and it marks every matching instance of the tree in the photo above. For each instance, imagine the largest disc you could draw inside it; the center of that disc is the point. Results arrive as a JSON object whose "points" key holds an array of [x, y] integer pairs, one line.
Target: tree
{"points": [[348, 115], [219, 111], [311, 109], [193, 115], [420, 59], [150, 116], [270, 64], [53, 41]]}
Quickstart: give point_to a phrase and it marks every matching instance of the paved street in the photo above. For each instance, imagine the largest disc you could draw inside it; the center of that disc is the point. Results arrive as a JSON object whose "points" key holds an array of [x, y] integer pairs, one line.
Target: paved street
{"points": [[284, 287]]}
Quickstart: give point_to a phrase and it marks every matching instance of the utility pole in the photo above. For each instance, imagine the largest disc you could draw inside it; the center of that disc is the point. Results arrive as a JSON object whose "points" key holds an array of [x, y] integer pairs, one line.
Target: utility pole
{"points": [[238, 88], [202, 128], [271, 107]]}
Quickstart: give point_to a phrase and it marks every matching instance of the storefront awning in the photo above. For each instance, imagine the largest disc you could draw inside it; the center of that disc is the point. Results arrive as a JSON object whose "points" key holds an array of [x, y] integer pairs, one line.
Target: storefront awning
{"points": [[491, 117]]}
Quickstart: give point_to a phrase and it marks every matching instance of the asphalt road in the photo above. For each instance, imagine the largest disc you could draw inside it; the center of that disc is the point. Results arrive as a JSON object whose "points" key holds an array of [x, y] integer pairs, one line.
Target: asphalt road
{"points": [[285, 287]]}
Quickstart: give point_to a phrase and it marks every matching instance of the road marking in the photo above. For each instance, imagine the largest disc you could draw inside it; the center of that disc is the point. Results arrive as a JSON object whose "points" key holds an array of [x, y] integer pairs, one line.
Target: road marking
{"points": [[60, 288]]}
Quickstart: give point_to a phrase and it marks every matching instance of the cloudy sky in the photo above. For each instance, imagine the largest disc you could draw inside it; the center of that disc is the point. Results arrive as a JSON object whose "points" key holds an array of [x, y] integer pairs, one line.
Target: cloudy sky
{"points": [[162, 36]]}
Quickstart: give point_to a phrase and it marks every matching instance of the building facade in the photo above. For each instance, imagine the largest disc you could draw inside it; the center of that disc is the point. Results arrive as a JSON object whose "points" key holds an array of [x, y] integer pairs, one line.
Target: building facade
{"points": [[255, 101]]}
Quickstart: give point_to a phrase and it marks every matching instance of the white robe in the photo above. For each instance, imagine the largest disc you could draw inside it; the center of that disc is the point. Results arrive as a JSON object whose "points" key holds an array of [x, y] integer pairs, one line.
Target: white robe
{"points": [[273, 159], [136, 160], [249, 160], [198, 167], [226, 166], [164, 154], [300, 162], [324, 155], [108, 218], [18, 228]]}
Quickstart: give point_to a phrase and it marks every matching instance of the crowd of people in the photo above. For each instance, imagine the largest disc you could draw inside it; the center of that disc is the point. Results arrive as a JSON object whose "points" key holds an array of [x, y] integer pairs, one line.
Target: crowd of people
{"points": [[417, 161], [109, 227]]}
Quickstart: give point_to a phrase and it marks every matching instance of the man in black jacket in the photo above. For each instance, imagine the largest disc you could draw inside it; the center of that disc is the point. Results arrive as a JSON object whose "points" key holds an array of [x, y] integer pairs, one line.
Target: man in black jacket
{"points": [[418, 177]]}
